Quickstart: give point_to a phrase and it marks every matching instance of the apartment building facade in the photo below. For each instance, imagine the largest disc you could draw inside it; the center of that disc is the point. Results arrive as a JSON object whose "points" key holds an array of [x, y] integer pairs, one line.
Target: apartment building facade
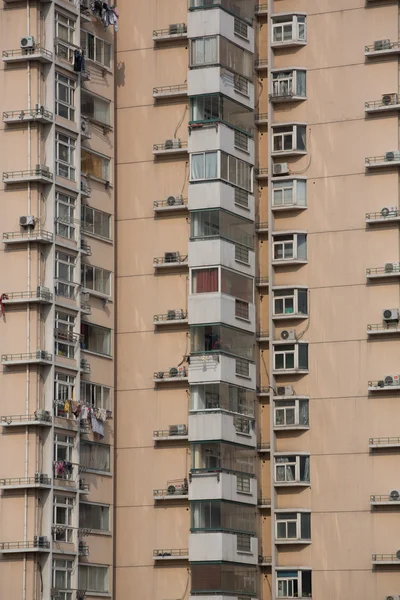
{"points": [[57, 314]]}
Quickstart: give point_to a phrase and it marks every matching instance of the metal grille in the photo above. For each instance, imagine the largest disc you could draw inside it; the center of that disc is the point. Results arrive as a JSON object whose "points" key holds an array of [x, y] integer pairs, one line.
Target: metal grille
{"points": [[241, 309], [241, 141], [241, 198], [240, 28], [242, 254], [241, 84], [242, 368], [243, 542], [243, 484]]}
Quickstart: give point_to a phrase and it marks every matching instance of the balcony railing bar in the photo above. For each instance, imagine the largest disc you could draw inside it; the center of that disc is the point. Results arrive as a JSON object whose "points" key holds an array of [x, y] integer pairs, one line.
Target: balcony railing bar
{"points": [[392, 213], [387, 46], [385, 558], [12, 481], [170, 88], [379, 103], [384, 441], [373, 160], [395, 268], [181, 30], [34, 113], [39, 355], [40, 294], [39, 172], [174, 146], [28, 52], [29, 235], [173, 553], [385, 325], [8, 419], [22, 545]]}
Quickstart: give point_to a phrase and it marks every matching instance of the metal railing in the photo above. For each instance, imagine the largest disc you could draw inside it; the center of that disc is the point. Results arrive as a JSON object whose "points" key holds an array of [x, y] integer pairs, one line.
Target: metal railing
{"points": [[242, 367], [263, 390], [376, 160], [389, 213], [179, 30], [383, 498], [38, 234], [86, 249], [83, 549], [262, 280], [241, 309], [67, 336], [262, 172], [264, 502], [260, 117], [170, 147], [386, 558], [178, 491], [385, 441], [288, 95], [392, 100], [261, 63], [264, 446], [170, 89], [28, 52], [385, 325], [39, 479], [380, 384], [383, 45], [386, 270], [262, 333], [33, 113], [241, 198], [176, 376], [243, 425], [27, 356], [171, 260], [265, 560], [163, 553], [172, 315], [85, 188], [173, 431], [39, 172], [243, 542], [40, 293], [242, 254], [84, 366], [66, 289], [39, 543], [261, 226], [177, 201], [260, 8], [44, 417]]}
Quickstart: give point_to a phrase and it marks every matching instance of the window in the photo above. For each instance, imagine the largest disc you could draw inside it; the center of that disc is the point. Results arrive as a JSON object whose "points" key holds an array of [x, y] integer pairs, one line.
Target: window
{"points": [[217, 50], [222, 396], [221, 338], [289, 138], [96, 279], [93, 578], [95, 456], [65, 213], [96, 49], [236, 171], [292, 469], [96, 339], [222, 516], [219, 165], [204, 165], [243, 484], [65, 156], [96, 395], [240, 8], [62, 518], [289, 28], [204, 51], [95, 165], [288, 302], [293, 584], [62, 578], [205, 281], [95, 108], [237, 285], [64, 274], [96, 222], [65, 35], [290, 247], [64, 388], [221, 224], [224, 578], [65, 94], [64, 334], [224, 456], [292, 526], [94, 516], [286, 84], [290, 192], [291, 413], [240, 28], [63, 448], [216, 107], [289, 357]]}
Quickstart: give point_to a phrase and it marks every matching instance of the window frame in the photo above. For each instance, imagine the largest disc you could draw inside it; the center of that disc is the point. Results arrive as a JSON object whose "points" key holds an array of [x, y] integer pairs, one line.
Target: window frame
{"points": [[66, 46], [85, 35], [84, 395], [101, 505], [293, 462], [289, 348], [290, 81], [285, 240], [68, 569], [280, 187], [97, 271], [94, 566], [286, 521], [106, 167], [97, 445], [295, 22], [68, 504], [68, 143], [89, 228], [242, 170], [65, 226], [295, 575], [64, 389], [64, 348], [288, 132], [70, 263], [97, 98], [70, 86], [109, 342], [290, 405], [282, 295]]}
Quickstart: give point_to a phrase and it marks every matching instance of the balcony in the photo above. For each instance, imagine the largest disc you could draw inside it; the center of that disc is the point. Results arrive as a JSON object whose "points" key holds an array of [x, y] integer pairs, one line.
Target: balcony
{"points": [[37, 53], [218, 80], [41, 295], [24, 237], [220, 485], [215, 307], [40, 480], [162, 554], [174, 433], [175, 32], [174, 317], [261, 64], [288, 96], [383, 443], [263, 392], [384, 328], [171, 260], [215, 366], [39, 417], [39, 544], [171, 147], [261, 227], [261, 174], [175, 375], [264, 448], [388, 161], [261, 119], [176, 490], [170, 91], [264, 561], [41, 174], [83, 549], [262, 282], [172, 204], [390, 383], [388, 103], [262, 336], [386, 559], [261, 10], [217, 425], [391, 499], [223, 546], [385, 215], [389, 271], [36, 115], [40, 357], [263, 503], [382, 48], [84, 366]]}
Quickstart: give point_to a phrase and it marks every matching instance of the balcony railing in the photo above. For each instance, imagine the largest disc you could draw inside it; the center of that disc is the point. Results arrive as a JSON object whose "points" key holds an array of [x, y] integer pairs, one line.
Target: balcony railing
{"points": [[172, 203], [384, 214], [382, 45], [39, 479], [43, 416], [388, 270], [262, 281], [39, 294], [384, 441], [263, 391], [38, 356], [172, 432], [182, 553], [264, 561], [171, 316], [261, 9], [170, 90], [172, 260], [178, 30], [264, 502], [262, 335], [387, 558], [261, 118], [83, 549], [261, 63], [264, 446], [387, 101], [174, 374], [171, 146], [27, 52], [175, 488], [66, 289], [383, 499], [38, 113], [390, 158], [384, 326], [36, 235], [41, 543], [385, 384], [261, 173], [38, 173], [67, 336], [261, 226]]}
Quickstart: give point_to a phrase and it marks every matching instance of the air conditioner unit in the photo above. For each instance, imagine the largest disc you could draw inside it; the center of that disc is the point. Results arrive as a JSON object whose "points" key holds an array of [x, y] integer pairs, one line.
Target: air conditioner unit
{"points": [[170, 257], [43, 292], [175, 28], [27, 42], [381, 45], [391, 380], [179, 314], [42, 170], [171, 315], [388, 99], [391, 211], [281, 169], [27, 221], [398, 554], [40, 541], [177, 430], [288, 334], [285, 390], [392, 267], [174, 200], [173, 372], [40, 478], [84, 125], [394, 495], [390, 156], [396, 597], [171, 490], [160, 375], [43, 415], [174, 143], [390, 314], [181, 371]]}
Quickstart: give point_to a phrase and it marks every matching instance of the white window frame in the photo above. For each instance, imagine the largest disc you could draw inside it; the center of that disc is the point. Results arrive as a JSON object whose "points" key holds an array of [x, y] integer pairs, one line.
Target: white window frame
{"points": [[243, 484], [107, 331], [106, 167], [296, 519], [67, 568], [279, 189], [68, 444], [290, 406], [98, 272], [285, 349], [64, 389], [295, 24], [89, 394], [106, 579], [65, 225], [287, 589], [283, 87], [283, 295], [295, 462], [67, 503], [107, 506], [67, 287], [204, 154], [70, 85], [290, 133], [65, 168], [64, 47], [286, 245], [65, 322], [89, 228], [97, 43], [95, 99]]}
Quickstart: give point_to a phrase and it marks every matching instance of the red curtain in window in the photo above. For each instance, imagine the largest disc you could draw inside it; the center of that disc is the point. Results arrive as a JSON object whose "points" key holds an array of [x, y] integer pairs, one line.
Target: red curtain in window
{"points": [[205, 281]]}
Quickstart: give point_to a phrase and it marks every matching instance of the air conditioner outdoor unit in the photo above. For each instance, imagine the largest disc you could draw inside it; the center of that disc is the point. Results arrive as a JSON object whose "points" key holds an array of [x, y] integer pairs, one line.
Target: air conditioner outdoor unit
{"points": [[160, 375], [27, 42], [391, 380], [396, 597], [398, 554], [171, 490], [281, 169], [174, 200], [390, 156], [285, 390], [394, 495], [84, 125], [174, 143], [170, 257], [43, 292], [388, 99], [390, 314], [171, 315], [177, 430], [392, 267], [173, 372], [288, 334], [176, 28], [391, 211], [381, 45], [43, 415], [40, 478], [27, 221], [40, 541]]}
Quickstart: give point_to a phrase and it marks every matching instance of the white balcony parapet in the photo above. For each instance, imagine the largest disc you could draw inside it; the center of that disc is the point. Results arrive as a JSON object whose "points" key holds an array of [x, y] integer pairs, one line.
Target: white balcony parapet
{"points": [[261, 119], [173, 317], [175, 375], [23, 237], [262, 336], [174, 433], [261, 173], [391, 499], [384, 328], [261, 64], [171, 204], [261, 227], [170, 260], [261, 10]]}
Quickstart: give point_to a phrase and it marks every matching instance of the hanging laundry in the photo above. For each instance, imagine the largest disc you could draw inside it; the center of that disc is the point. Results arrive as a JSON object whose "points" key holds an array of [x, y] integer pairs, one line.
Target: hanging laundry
{"points": [[97, 426], [84, 412], [100, 414], [75, 408], [66, 407], [79, 61], [60, 468]]}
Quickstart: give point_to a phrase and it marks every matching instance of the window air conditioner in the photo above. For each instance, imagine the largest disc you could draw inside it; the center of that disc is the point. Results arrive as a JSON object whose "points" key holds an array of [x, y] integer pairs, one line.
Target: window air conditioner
{"points": [[281, 169], [171, 257], [288, 334], [174, 200], [390, 314], [27, 221], [177, 430], [391, 380], [381, 45], [27, 42], [391, 211], [394, 495], [388, 99], [392, 267], [394, 155]]}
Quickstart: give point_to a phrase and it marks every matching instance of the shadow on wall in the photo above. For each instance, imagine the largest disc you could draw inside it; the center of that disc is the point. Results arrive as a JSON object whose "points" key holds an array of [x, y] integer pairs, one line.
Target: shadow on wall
{"points": [[120, 74]]}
